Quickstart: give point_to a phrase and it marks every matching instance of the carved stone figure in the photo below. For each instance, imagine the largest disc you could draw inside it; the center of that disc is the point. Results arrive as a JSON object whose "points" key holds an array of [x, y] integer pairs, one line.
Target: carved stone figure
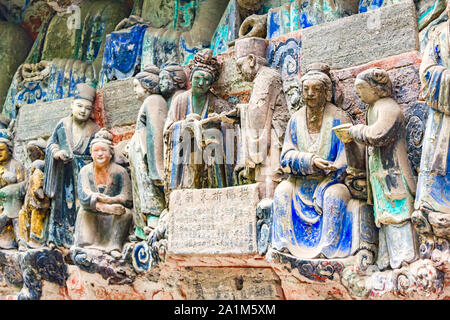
{"points": [[291, 89], [146, 152], [254, 26], [12, 175], [33, 216], [68, 150], [104, 188], [172, 81], [264, 118], [195, 119], [310, 208], [433, 191], [391, 184]]}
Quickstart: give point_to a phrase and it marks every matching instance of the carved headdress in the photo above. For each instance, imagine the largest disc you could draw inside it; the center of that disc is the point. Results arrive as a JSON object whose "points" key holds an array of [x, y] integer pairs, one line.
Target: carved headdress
{"points": [[149, 78], [204, 60], [104, 136], [8, 143], [177, 73], [85, 91], [320, 72], [379, 80]]}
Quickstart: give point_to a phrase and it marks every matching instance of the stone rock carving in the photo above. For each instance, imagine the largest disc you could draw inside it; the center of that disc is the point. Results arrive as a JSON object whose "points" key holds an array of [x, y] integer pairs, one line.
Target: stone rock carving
{"points": [[391, 181], [68, 150], [33, 217], [263, 119], [145, 151], [291, 89], [46, 81], [12, 176], [311, 217], [172, 81], [432, 204], [104, 189], [254, 26], [197, 116]]}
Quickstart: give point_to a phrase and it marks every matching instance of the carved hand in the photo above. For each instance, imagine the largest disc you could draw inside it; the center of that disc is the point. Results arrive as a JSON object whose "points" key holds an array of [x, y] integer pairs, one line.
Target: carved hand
{"points": [[39, 193], [192, 117], [105, 199], [323, 164], [115, 209], [62, 155]]}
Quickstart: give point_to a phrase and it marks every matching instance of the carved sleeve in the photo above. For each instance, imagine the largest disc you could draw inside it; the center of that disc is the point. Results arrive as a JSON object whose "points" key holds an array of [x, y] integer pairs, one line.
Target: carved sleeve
{"points": [[297, 162], [383, 131], [141, 121], [88, 199], [125, 196]]}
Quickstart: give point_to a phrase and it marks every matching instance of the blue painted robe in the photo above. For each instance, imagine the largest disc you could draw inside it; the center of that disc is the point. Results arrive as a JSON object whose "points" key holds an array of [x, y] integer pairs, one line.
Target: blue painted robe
{"points": [[433, 187], [60, 178], [308, 220]]}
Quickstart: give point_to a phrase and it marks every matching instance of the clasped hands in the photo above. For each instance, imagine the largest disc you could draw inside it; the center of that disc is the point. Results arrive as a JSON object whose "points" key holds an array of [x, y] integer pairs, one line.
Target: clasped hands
{"points": [[109, 205]]}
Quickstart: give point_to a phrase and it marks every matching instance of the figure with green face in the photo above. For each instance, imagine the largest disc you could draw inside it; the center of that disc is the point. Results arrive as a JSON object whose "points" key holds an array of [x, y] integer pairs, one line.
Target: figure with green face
{"points": [[12, 175], [193, 127], [67, 152]]}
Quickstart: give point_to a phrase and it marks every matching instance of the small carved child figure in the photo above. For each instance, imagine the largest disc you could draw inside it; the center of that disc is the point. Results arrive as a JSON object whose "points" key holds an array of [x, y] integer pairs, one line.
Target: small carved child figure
{"points": [[12, 176], [391, 184], [33, 216]]}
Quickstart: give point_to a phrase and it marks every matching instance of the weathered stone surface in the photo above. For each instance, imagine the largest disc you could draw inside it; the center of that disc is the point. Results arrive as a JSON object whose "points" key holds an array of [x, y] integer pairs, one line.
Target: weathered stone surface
{"points": [[14, 47], [362, 38], [230, 81], [213, 221], [121, 106], [403, 71], [231, 283], [39, 119]]}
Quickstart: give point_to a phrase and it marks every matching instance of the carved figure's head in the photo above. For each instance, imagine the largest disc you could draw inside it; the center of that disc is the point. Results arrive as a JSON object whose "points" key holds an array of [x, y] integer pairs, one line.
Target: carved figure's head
{"points": [[6, 150], [291, 89], [171, 78], [36, 150], [250, 56], [372, 85], [204, 72], [316, 85], [146, 82], [102, 149], [82, 105], [4, 121]]}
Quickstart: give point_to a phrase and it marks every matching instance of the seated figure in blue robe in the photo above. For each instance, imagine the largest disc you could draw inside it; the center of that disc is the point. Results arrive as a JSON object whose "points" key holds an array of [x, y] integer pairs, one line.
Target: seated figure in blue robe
{"points": [[310, 208]]}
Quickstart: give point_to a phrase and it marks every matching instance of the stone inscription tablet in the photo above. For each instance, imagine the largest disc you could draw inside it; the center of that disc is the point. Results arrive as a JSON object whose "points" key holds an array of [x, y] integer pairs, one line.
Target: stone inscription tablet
{"points": [[120, 103], [213, 221], [39, 119]]}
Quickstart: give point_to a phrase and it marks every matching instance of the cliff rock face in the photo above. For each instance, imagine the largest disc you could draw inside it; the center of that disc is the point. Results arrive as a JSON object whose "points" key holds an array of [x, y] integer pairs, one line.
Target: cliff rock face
{"points": [[215, 243]]}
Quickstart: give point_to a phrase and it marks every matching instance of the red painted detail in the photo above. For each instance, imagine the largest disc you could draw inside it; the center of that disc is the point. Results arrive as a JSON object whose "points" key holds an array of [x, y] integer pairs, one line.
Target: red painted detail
{"points": [[243, 96], [122, 133], [99, 109], [393, 62]]}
